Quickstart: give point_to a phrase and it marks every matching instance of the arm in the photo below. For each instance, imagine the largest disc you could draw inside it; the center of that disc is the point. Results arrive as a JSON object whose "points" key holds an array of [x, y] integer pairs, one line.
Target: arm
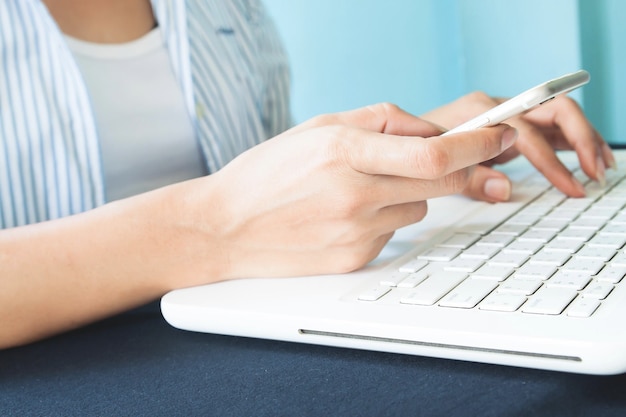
{"points": [[323, 197], [65, 273]]}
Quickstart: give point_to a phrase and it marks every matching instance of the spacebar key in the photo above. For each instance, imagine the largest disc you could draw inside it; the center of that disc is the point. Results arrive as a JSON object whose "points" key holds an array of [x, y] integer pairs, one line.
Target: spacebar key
{"points": [[432, 289]]}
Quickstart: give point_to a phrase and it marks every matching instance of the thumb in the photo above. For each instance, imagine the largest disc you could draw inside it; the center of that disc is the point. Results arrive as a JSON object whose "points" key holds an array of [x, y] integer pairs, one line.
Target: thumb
{"points": [[487, 184]]}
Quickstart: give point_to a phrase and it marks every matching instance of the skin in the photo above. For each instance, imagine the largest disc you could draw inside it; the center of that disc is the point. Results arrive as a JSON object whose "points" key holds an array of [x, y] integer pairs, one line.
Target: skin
{"points": [[558, 125], [323, 197], [354, 178], [103, 21]]}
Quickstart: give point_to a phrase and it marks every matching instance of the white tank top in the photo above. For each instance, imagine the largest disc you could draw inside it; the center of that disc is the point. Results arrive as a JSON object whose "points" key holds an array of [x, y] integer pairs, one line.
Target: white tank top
{"points": [[146, 136]]}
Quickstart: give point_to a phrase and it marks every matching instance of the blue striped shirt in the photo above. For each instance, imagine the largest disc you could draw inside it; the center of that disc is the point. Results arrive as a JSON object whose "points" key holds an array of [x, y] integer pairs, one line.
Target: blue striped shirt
{"points": [[226, 56]]}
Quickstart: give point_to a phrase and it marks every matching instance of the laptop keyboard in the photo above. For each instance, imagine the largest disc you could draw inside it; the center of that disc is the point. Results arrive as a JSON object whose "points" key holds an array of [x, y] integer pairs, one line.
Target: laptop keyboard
{"points": [[548, 254]]}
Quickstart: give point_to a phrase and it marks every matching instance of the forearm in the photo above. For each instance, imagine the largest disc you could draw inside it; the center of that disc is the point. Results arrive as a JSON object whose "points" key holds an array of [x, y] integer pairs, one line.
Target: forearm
{"points": [[62, 274], [319, 199]]}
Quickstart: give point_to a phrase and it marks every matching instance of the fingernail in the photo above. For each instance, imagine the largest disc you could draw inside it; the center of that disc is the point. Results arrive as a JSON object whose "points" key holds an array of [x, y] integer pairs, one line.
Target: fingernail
{"points": [[611, 163], [498, 188], [600, 171], [508, 138]]}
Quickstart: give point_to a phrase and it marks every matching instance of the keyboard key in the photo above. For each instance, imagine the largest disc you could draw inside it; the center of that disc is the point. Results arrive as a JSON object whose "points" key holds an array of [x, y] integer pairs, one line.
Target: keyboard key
{"points": [[583, 307], [551, 224], [510, 229], [491, 239], [464, 265], [569, 279], [524, 219], [598, 290], [374, 293], [549, 301], [552, 258], [582, 235], [587, 223], [535, 235], [460, 240], [535, 271], [413, 265], [578, 204], [440, 254], [562, 214], [502, 302], [563, 245], [483, 221], [519, 286], [596, 253], [608, 241], [493, 272], [527, 247], [393, 279], [588, 266], [619, 260], [432, 289], [469, 293], [611, 274], [599, 211], [620, 218], [480, 252], [512, 259], [413, 279], [614, 228]]}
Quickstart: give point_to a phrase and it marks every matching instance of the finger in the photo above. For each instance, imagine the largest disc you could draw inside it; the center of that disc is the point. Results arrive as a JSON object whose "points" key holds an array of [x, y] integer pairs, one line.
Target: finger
{"points": [[608, 156], [542, 155], [489, 185], [390, 119], [351, 257], [427, 159], [387, 191], [396, 216], [575, 128], [382, 118]]}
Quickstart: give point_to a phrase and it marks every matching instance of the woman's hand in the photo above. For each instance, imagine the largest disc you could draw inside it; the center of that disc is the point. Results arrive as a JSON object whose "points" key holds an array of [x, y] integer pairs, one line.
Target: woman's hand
{"points": [[557, 125], [325, 196]]}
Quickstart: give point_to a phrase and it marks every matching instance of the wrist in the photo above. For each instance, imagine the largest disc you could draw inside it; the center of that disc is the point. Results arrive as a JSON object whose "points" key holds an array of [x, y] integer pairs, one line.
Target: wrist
{"points": [[186, 233]]}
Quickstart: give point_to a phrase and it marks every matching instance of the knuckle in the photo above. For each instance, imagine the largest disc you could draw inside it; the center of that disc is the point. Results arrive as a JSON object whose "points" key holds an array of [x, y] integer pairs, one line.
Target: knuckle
{"points": [[384, 107], [457, 181], [324, 120], [356, 256], [349, 262], [348, 208], [479, 97], [432, 160], [338, 150]]}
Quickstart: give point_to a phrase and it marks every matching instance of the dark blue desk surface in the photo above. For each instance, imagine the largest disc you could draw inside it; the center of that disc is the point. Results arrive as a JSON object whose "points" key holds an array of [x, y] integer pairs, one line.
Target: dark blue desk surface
{"points": [[136, 364]]}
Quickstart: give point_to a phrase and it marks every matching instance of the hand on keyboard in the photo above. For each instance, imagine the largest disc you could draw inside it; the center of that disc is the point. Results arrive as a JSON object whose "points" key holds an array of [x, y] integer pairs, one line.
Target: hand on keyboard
{"points": [[558, 124], [548, 254]]}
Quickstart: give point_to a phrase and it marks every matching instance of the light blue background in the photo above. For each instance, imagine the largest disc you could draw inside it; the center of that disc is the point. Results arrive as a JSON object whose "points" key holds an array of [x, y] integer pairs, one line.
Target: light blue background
{"points": [[420, 54]]}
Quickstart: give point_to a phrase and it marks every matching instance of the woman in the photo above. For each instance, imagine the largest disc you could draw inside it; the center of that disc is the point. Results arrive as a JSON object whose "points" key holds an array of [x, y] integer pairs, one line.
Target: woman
{"points": [[113, 112]]}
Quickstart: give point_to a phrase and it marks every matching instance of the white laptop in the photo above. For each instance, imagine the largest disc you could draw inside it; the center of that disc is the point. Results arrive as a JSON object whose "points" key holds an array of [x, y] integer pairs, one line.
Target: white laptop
{"points": [[536, 282]]}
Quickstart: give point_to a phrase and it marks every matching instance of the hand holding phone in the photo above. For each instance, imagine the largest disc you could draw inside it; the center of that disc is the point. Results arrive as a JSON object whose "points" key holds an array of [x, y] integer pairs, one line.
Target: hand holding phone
{"points": [[525, 101]]}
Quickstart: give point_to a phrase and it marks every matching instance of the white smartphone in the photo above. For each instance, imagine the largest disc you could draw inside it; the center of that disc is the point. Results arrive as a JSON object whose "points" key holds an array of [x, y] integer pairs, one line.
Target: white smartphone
{"points": [[525, 101]]}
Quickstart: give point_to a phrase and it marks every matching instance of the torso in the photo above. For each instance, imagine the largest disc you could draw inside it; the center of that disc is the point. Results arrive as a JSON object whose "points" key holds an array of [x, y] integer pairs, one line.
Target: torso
{"points": [[145, 133]]}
